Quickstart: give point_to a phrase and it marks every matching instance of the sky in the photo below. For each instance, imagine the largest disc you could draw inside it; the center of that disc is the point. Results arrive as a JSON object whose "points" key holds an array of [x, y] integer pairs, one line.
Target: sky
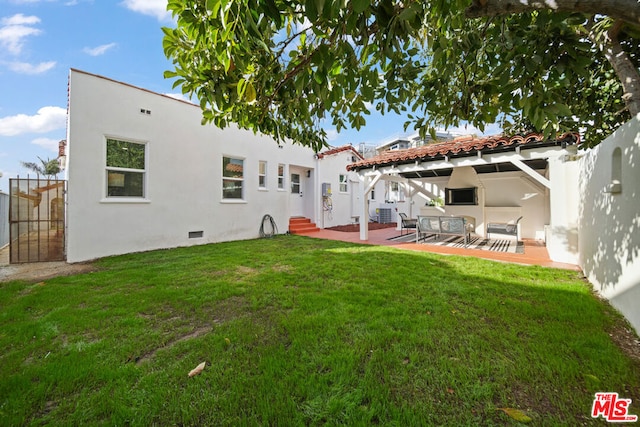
{"points": [[40, 40]]}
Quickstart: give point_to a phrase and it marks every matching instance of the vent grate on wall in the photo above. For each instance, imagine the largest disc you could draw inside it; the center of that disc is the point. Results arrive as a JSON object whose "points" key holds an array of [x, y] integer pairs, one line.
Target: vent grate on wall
{"points": [[195, 234]]}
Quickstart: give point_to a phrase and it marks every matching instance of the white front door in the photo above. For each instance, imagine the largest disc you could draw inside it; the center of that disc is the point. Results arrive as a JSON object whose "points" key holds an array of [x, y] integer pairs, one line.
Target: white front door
{"points": [[297, 181]]}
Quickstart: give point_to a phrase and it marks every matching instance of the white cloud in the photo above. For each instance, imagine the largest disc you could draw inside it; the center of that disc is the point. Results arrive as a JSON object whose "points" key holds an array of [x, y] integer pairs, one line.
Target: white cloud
{"points": [[332, 134], [47, 119], [15, 29], [20, 19], [26, 68], [99, 50], [47, 143], [155, 8]]}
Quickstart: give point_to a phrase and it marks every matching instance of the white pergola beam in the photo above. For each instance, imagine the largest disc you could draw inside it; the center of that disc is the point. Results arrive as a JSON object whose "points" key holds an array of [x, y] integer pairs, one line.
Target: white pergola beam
{"points": [[531, 172]]}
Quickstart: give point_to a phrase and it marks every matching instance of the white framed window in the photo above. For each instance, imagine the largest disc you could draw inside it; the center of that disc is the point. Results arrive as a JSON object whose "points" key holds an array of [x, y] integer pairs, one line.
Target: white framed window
{"points": [[262, 175], [280, 176], [126, 168], [343, 183], [232, 178]]}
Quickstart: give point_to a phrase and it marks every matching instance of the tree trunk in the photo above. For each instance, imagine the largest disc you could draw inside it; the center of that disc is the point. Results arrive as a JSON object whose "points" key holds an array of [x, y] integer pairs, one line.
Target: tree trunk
{"points": [[625, 10], [622, 65]]}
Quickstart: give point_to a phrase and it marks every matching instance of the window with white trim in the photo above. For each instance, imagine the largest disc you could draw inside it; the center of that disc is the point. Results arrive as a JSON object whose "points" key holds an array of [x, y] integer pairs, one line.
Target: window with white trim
{"points": [[281, 176], [232, 178], [125, 168], [343, 183], [262, 174]]}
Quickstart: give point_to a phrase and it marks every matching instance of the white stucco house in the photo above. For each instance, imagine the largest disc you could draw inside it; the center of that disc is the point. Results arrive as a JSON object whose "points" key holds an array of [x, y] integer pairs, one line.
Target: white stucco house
{"points": [[144, 173]]}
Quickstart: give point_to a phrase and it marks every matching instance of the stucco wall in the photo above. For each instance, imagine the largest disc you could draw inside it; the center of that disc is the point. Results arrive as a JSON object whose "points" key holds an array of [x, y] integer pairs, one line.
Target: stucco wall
{"points": [[339, 210], [183, 177], [609, 223], [564, 197]]}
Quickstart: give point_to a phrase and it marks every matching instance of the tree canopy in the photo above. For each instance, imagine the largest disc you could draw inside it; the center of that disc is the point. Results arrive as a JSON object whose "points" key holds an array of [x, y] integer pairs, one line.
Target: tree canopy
{"points": [[288, 68], [49, 167]]}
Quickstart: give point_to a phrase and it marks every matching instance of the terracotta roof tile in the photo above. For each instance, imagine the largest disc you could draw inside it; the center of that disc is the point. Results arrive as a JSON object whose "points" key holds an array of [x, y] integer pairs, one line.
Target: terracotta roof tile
{"points": [[337, 150], [464, 145]]}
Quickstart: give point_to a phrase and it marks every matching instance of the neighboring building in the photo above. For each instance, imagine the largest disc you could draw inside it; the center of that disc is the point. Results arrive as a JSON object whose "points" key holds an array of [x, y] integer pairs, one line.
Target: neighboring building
{"points": [[143, 173], [415, 141]]}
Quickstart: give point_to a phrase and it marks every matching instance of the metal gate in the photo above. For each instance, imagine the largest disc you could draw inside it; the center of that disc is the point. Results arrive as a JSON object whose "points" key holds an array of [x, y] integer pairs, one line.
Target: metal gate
{"points": [[36, 220]]}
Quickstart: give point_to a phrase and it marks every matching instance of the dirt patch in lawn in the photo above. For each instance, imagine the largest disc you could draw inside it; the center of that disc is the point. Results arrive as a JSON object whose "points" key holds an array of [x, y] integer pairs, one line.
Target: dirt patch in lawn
{"points": [[38, 271], [353, 228]]}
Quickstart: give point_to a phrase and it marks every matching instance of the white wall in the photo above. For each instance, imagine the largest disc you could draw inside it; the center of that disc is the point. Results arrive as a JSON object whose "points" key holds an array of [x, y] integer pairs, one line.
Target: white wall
{"points": [[562, 233], [183, 178], [330, 167], [609, 223]]}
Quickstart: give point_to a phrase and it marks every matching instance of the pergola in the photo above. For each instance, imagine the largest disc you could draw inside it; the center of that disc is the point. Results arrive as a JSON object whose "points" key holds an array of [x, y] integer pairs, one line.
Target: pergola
{"points": [[529, 153]]}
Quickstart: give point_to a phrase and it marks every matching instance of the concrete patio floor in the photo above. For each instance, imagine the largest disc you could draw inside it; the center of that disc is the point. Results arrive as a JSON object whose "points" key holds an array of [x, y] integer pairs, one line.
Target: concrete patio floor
{"points": [[535, 252]]}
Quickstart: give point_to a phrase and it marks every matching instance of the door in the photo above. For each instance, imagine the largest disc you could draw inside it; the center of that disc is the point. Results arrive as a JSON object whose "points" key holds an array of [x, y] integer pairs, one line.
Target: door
{"points": [[36, 220], [297, 180]]}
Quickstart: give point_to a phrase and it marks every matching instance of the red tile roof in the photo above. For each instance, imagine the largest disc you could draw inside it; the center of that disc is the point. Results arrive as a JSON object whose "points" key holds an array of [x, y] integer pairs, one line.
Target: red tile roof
{"points": [[461, 146], [337, 150]]}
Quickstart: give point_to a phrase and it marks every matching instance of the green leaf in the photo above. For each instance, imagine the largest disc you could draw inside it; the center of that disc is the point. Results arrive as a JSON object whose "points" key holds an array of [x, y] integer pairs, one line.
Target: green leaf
{"points": [[319, 6], [360, 6], [250, 93], [516, 414]]}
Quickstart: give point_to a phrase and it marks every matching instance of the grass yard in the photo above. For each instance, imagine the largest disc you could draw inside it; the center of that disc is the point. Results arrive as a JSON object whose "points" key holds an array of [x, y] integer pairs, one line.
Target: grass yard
{"points": [[300, 331]]}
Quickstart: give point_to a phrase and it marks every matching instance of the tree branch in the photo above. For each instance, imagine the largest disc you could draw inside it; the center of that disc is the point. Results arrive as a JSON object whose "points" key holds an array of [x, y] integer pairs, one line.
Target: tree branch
{"points": [[621, 64], [625, 10]]}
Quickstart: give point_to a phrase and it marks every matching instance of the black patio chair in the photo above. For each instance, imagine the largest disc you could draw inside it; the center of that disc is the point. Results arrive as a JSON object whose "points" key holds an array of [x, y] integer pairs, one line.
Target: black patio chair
{"points": [[407, 223]]}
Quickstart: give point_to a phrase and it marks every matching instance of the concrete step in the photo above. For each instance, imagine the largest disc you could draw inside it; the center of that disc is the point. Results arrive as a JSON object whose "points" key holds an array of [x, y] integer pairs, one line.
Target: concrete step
{"points": [[300, 225]]}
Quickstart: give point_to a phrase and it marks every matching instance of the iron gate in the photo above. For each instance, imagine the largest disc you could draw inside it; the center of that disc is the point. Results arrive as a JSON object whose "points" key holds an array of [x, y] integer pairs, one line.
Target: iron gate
{"points": [[36, 220]]}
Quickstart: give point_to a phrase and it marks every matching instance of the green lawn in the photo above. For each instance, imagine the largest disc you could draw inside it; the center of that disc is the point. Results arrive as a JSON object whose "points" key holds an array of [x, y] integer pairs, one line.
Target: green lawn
{"points": [[300, 331]]}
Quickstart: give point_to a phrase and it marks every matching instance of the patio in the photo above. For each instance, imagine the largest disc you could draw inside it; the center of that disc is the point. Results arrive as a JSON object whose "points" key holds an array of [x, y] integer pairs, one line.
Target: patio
{"points": [[535, 252]]}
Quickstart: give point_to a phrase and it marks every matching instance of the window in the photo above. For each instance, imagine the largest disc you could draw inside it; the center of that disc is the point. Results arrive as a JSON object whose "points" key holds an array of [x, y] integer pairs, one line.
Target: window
{"points": [[232, 178], [343, 183], [125, 168], [281, 177], [295, 183], [262, 174]]}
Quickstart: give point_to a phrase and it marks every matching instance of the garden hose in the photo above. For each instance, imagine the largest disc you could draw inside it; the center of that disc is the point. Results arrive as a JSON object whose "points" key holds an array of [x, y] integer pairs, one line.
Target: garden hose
{"points": [[268, 219]]}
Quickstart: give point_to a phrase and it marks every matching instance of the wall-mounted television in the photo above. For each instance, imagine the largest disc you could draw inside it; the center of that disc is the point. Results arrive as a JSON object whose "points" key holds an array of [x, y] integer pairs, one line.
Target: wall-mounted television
{"points": [[461, 196]]}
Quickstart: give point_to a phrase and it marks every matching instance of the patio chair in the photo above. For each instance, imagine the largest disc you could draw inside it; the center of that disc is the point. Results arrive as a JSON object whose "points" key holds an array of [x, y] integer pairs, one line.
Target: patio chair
{"points": [[508, 228], [407, 223]]}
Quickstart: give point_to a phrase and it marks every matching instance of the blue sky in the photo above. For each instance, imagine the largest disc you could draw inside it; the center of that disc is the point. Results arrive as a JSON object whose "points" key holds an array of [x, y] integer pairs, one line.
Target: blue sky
{"points": [[40, 40]]}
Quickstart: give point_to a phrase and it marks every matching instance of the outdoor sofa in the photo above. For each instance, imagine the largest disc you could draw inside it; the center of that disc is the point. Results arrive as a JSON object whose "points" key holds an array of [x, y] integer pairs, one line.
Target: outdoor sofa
{"points": [[445, 225]]}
